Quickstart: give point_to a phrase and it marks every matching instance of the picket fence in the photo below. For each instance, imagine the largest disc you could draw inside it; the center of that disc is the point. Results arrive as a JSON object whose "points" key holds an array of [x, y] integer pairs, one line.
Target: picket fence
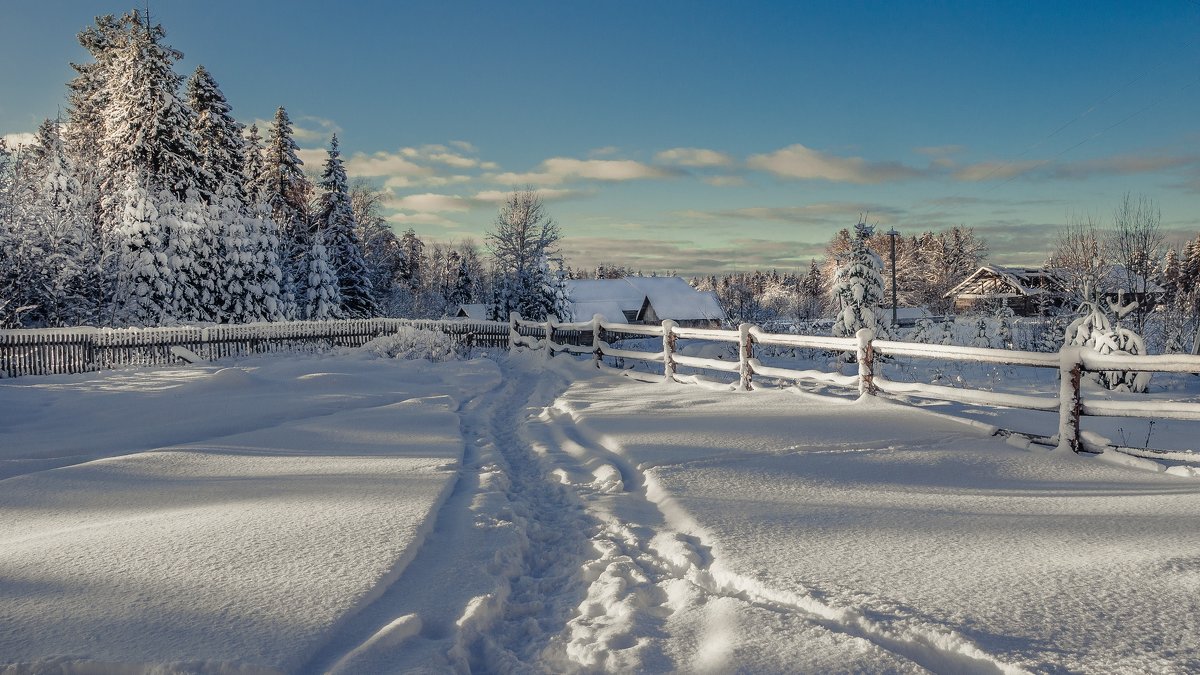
{"points": [[1071, 362]]}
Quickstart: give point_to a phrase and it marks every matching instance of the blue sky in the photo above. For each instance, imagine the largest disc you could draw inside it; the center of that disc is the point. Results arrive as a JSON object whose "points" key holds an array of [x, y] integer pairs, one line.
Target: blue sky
{"points": [[696, 136]]}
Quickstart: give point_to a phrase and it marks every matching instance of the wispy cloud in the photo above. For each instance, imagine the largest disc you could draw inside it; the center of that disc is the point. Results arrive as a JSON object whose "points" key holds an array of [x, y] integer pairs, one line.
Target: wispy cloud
{"points": [[803, 163], [830, 213], [982, 171], [940, 150], [725, 181], [1122, 165], [557, 170], [693, 157]]}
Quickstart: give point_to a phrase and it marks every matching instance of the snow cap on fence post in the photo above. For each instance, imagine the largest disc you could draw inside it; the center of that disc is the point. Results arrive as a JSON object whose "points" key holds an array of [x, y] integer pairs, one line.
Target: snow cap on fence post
{"points": [[513, 335], [745, 353], [866, 361], [597, 350], [550, 320], [668, 326], [1070, 402]]}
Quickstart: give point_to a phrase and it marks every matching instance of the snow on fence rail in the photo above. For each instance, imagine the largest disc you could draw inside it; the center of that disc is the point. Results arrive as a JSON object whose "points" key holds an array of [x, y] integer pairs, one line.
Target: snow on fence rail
{"points": [[52, 351], [1071, 363]]}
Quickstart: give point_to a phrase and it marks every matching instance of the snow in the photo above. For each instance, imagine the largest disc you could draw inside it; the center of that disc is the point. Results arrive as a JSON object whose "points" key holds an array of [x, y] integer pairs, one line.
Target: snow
{"points": [[349, 513]]}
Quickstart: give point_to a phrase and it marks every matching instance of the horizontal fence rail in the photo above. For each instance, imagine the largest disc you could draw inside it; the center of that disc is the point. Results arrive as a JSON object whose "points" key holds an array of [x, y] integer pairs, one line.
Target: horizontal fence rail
{"points": [[53, 351], [1070, 362], [84, 349]]}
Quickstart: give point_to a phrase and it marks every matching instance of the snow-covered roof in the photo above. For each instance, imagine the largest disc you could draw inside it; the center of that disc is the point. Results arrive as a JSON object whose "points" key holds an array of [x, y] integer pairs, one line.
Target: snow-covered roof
{"points": [[1021, 279], [477, 312], [671, 298]]}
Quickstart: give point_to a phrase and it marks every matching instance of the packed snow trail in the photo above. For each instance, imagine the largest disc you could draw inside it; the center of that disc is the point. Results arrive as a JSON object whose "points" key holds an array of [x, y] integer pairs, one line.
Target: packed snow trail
{"points": [[589, 574]]}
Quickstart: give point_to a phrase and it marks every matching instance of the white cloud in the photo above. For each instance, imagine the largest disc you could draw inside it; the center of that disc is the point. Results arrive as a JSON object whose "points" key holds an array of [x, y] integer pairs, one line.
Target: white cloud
{"points": [[798, 161], [556, 170], [313, 158], [384, 164], [693, 157], [547, 195], [13, 140], [431, 203], [421, 219], [995, 170], [465, 146], [725, 181]]}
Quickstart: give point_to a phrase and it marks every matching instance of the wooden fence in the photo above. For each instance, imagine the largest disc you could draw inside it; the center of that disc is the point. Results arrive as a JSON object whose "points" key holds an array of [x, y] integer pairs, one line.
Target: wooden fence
{"points": [[1071, 363], [76, 350]]}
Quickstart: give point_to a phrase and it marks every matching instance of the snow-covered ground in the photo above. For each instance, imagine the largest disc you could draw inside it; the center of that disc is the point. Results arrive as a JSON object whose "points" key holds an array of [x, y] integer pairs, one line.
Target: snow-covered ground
{"points": [[355, 514]]}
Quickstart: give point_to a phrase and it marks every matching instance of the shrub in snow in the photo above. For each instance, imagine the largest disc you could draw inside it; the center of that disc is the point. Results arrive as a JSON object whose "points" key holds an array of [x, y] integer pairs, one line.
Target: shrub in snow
{"points": [[947, 333], [413, 343], [923, 332], [858, 287], [983, 332], [1094, 330]]}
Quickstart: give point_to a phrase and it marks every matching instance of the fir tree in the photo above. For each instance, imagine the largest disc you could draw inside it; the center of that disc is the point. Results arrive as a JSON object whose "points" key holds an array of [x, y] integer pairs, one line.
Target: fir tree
{"points": [[336, 220], [252, 169], [148, 127], [858, 286], [218, 137], [322, 299], [144, 279]]}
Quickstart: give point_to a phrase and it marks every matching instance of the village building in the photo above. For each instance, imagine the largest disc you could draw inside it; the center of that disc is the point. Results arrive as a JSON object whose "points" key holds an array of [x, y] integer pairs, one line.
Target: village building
{"points": [[1032, 291], [636, 300]]}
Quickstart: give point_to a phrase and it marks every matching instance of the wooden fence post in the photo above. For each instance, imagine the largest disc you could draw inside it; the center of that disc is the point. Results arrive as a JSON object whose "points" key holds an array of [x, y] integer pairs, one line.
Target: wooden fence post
{"points": [[513, 333], [669, 336], [745, 353], [866, 361], [1070, 401], [550, 319], [597, 350]]}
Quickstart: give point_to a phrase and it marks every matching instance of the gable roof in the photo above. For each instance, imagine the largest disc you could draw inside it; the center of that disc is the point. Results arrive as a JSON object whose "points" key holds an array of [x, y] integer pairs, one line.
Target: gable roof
{"points": [[1030, 281], [619, 299]]}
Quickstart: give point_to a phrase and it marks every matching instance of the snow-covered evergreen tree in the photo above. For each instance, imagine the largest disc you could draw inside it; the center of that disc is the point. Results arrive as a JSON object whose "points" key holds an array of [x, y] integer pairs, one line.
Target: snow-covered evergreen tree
{"points": [[285, 189], [858, 287], [322, 298], [144, 284], [1005, 320], [218, 138], [147, 126], [336, 220], [252, 169], [1094, 329]]}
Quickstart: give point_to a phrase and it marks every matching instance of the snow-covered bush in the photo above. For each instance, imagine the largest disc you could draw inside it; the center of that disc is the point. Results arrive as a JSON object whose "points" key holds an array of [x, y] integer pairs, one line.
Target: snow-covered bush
{"points": [[1094, 330], [413, 343], [923, 332], [983, 332]]}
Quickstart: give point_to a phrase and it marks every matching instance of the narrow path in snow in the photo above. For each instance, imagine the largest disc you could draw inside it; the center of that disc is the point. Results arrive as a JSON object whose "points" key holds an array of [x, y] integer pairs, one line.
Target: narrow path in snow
{"points": [[564, 557]]}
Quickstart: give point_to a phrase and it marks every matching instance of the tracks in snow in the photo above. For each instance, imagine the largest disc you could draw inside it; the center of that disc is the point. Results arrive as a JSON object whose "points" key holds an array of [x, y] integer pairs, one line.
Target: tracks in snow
{"points": [[594, 569]]}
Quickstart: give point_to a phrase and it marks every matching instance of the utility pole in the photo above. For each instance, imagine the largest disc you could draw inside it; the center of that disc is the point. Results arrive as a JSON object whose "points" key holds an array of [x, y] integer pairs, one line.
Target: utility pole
{"points": [[892, 233]]}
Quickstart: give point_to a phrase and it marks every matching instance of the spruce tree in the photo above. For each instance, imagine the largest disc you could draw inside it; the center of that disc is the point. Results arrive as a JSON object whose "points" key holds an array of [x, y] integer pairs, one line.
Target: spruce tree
{"points": [[218, 137], [144, 284], [858, 286], [336, 220], [148, 127], [322, 298]]}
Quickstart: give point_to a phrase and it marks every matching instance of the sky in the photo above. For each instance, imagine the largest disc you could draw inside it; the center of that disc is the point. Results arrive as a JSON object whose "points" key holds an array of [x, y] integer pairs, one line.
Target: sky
{"points": [[698, 137]]}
